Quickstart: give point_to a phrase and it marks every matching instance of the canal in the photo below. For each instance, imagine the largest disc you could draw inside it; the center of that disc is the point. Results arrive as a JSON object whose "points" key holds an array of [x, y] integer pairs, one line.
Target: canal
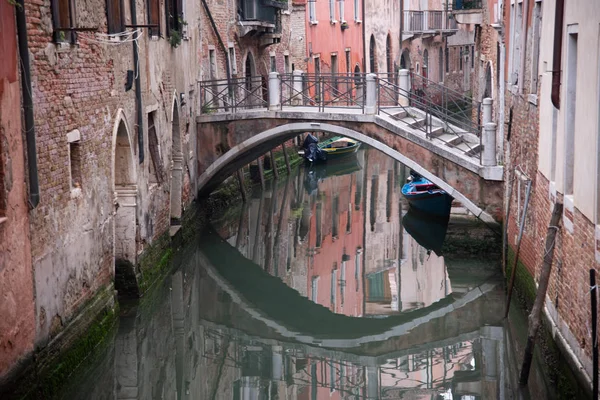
{"points": [[324, 285]]}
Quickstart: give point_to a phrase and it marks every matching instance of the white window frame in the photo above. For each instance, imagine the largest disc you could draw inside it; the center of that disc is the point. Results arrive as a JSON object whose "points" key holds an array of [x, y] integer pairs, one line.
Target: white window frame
{"points": [[535, 54], [232, 59], [312, 12], [341, 10], [357, 11], [332, 11]]}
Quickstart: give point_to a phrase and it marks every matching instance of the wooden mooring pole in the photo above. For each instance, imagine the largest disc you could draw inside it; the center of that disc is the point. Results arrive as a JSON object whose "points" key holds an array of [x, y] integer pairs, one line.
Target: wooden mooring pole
{"points": [[594, 300], [240, 177], [514, 269], [261, 172], [538, 305], [274, 165], [287, 160], [505, 235]]}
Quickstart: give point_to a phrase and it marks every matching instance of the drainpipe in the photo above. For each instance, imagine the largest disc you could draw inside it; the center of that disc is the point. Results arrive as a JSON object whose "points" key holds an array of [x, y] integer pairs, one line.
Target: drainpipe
{"points": [[34, 188], [557, 52], [138, 90], [214, 26]]}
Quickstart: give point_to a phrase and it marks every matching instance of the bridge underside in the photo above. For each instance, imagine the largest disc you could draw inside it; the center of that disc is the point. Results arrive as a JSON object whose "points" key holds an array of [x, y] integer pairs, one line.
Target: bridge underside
{"points": [[227, 142]]}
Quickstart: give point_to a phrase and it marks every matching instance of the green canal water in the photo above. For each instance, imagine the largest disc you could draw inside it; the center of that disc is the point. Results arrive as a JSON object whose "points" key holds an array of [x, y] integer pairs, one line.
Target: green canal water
{"points": [[324, 285]]}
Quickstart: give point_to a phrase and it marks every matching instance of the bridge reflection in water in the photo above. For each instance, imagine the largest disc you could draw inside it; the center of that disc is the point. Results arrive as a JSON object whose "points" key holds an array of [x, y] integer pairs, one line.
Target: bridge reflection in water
{"points": [[313, 290]]}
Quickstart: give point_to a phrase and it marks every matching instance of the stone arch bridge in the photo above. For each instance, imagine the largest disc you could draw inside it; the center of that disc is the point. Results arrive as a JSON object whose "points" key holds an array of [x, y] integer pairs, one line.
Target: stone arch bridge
{"points": [[421, 134]]}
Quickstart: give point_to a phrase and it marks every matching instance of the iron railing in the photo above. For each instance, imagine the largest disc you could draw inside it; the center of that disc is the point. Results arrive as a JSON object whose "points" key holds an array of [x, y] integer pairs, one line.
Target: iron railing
{"points": [[428, 21], [323, 90], [232, 95]]}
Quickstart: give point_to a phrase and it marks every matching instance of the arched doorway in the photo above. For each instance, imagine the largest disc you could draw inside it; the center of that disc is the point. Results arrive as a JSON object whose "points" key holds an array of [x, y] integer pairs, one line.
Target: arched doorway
{"points": [[389, 57], [176, 168], [250, 79], [125, 191], [405, 60], [372, 55]]}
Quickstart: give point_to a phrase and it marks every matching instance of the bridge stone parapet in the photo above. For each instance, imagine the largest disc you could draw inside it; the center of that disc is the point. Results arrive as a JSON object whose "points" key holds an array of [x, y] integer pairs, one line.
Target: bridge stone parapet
{"points": [[228, 141]]}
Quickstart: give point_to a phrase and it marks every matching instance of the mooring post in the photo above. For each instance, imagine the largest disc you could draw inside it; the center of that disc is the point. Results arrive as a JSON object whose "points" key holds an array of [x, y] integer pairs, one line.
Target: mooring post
{"points": [[486, 106], [538, 305], [505, 234], [274, 165], [488, 157], [240, 177], [371, 100], [274, 88], [594, 300], [261, 172], [514, 269], [286, 158], [404, 89]]}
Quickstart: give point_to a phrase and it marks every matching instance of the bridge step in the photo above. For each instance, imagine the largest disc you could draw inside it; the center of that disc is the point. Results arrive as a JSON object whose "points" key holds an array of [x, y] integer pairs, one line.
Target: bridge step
{"points": [[400, 115], [416, 122], [468, 149], [475, 150], [436, 131], [450, 139]]}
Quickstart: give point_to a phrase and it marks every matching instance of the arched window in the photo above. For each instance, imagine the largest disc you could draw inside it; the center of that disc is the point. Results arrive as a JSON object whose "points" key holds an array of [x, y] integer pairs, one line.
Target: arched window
{"points": [[425, 63], [372, 55], [405, 59], [388, 54]]}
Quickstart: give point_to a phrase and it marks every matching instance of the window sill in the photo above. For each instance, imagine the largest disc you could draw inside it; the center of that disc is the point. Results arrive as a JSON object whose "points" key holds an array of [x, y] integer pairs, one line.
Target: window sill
{"points": [[314, 22], [154, 38], [63, 47], [333, 21], [358, 21]]}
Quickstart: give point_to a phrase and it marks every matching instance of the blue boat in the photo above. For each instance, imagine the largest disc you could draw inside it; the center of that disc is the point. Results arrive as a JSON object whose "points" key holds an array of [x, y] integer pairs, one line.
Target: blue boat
{"points": [[426, 196]]}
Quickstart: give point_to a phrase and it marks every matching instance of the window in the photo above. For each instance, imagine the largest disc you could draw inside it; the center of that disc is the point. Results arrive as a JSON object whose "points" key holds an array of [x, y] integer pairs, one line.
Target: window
{"points": [[515, 42], [312, 11], [314, 288], [460, 58], [332, 10], [341, 9], [232, 60], [173, 13], [334, 71], [473, 57], [273, 64], [154, 17], [535, 55], [348, 61], [335, 217], [356, 11], [286, 64], [116, 19], [74, 138], [317, 65], [62, 17], [571, 83], [372, 55], [156, 167], [213, 64]]}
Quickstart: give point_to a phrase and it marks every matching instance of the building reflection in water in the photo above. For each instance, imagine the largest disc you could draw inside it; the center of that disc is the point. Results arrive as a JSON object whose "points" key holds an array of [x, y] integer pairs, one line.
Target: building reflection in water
{"points": [[335, 235]]}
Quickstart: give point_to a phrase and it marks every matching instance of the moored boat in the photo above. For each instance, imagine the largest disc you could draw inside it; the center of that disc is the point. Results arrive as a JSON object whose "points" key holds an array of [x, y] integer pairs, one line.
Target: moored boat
{"points": [[332, 148], [425, 196]]}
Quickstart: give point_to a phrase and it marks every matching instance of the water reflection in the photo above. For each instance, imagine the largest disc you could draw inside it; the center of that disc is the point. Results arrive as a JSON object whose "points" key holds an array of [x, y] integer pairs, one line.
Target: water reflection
{"points": [[313, 290], [334, 232]]}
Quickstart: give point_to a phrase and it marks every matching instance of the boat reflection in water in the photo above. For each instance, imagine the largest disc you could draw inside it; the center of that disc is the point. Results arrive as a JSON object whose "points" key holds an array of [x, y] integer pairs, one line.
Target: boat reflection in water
{"points": [[312, 293]]}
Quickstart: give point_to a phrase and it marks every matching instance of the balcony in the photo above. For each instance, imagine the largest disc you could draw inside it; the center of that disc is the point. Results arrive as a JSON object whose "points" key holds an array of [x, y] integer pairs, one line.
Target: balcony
{"points": [[428, 22], [468, 11], [260, 17]]}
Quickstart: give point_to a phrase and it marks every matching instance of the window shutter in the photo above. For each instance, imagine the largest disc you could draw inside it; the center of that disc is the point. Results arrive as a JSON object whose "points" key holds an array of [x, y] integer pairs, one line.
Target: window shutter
{"points": [[178, 14], [114, 10], [61, 18], [169, 13], [153, 16]]}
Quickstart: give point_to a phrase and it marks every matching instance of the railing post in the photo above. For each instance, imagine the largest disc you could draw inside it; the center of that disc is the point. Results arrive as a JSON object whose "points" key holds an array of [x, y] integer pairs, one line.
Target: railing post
{"points": [[274, 86], [403, 99], [297, 88], [486, 110], [371, 100], [488, 158]]}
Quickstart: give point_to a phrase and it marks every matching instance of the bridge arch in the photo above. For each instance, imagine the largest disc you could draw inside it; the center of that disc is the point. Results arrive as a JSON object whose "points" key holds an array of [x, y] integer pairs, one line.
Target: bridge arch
{"points": [[214, 172]]}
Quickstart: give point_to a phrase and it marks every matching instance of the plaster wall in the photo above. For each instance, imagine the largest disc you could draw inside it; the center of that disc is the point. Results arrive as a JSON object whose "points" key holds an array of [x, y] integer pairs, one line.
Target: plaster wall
{"points": [[17, 327], [383, 18]]}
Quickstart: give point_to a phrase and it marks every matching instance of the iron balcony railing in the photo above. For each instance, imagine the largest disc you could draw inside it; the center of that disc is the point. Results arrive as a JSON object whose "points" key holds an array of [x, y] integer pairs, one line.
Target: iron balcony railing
{"points": [[465, 5], [428, 21]]}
